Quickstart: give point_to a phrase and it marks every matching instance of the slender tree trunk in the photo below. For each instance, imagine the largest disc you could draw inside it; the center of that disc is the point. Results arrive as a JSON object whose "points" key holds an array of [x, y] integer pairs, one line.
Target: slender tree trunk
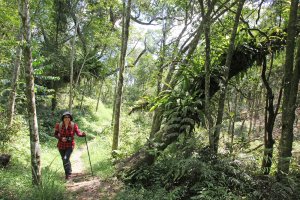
{"points": [[206, 21], [14, 81], [230, 120], [251, 111], [72, 67], [243, 136], [232, 129], [31, 107], [270, 116], [114, 103], [257, 103], [54, 98], [90, 88], [82, 98], [157, 117], [156, 121], [290, 86], [162, 54], [216, 135], [79, 73], [125, 35], [99, 95]]}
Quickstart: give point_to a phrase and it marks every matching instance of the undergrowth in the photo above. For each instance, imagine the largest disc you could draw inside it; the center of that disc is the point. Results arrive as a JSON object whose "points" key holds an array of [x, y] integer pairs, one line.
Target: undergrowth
{"points": [[190, 171], [16, 178]]}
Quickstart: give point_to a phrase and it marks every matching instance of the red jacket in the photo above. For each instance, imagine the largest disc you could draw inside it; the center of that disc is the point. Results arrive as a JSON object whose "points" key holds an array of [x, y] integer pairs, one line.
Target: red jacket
{"points": [[68, 133]]}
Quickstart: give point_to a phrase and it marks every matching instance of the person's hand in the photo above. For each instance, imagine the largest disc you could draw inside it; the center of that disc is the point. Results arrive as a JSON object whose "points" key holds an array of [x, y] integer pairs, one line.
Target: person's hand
{"points": [[83, 134], [64, 139]]}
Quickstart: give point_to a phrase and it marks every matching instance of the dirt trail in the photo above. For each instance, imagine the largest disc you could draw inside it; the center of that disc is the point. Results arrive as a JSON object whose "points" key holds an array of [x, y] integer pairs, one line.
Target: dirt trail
{"points": [[83, 186]]}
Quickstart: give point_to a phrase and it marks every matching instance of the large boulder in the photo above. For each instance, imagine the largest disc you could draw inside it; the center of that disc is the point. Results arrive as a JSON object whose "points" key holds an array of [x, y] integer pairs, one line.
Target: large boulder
{"points": [[4, 160]]}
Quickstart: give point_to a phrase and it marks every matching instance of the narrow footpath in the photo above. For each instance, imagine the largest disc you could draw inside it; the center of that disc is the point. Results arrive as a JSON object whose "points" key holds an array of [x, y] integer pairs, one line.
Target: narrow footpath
{"points": [[84, 186]]}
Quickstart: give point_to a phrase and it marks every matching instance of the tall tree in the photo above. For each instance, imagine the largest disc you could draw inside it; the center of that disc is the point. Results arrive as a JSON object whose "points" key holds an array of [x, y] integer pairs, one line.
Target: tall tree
{"points": [[207, 23], [31, 107], [185, 54], [71, 65], [290, 89], [118, 100], [230, 51], [16, 72], [270, 116], [162, 57]]}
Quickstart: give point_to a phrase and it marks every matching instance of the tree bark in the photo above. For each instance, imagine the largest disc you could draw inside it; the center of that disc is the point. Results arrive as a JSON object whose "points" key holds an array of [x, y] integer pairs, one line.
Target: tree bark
{"points": [[270, 116], [125, 35], [99, 94], [54, 98], [72, 67], [230, 51], [251, 107], [290, 86], [157, 117], [31, 107], [14, 81], [232, 127], [207, 110]]}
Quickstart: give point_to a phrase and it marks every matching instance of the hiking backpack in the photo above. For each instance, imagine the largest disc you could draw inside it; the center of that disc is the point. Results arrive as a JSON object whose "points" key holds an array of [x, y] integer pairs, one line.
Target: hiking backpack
{"points": [[60, 126]]}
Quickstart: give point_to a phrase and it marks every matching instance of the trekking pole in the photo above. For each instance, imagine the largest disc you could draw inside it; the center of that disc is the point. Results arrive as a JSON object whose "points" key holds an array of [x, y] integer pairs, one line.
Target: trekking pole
{"points": [[87, 147]]}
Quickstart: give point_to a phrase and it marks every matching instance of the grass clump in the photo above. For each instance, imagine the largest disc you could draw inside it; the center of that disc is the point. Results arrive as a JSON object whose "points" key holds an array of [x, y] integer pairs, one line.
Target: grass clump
{"points": [[51, 188], [100, 157]]}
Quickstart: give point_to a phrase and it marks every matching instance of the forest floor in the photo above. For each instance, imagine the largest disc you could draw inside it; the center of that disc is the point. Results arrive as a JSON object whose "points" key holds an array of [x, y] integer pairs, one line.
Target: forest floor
{"points": [[84, 186]]}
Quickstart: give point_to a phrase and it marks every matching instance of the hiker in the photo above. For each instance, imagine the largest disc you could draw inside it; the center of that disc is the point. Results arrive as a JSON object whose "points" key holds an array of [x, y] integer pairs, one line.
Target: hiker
{"points": [[65, 132]]}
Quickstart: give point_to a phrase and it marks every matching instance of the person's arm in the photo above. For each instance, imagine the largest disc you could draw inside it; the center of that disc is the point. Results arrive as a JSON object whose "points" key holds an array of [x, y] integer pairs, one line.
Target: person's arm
{"points": [[56, 131], [78, 132]]}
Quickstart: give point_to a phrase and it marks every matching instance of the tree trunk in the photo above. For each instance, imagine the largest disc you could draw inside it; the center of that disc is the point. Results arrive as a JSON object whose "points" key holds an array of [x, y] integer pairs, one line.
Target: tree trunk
{"points": [[290, 86], [207, 108], [256, 113], [125, 35], [81, 100], [14, 81], [232, 128], [156, 121], [216, 134], [72, 67], [31, 107], [99, 95], [270, 116], [114, 102], [251, 111], [229, 110], [157, 117], [54, 98]]}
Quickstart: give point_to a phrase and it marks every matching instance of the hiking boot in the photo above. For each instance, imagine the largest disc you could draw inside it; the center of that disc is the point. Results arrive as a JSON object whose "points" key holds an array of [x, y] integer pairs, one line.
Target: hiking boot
{"points": [[68, 177]]}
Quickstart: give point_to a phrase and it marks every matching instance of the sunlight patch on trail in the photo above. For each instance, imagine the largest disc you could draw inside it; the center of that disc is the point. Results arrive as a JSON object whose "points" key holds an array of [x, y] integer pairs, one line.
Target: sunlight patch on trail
{"points": [[83, 186], [77, 164]]}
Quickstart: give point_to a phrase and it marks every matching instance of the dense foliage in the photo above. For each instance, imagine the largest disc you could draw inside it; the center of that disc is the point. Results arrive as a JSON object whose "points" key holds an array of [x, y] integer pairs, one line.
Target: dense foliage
{"points": [[174, 77]]}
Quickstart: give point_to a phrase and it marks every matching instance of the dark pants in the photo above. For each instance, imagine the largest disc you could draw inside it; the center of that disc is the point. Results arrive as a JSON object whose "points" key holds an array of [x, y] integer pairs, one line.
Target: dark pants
{"points": [[65, 156]]}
